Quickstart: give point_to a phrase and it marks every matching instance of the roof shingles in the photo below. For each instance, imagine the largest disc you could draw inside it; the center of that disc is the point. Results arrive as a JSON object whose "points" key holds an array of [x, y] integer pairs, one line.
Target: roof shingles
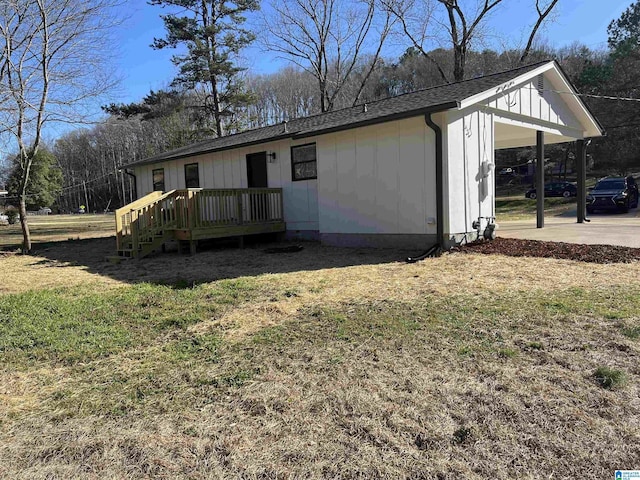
{"points": [[440, 98]]}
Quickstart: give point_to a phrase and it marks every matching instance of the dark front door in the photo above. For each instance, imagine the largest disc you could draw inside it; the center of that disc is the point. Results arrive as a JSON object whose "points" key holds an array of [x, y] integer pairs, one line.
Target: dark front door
{"points": [[257, 170], [257, 178]]}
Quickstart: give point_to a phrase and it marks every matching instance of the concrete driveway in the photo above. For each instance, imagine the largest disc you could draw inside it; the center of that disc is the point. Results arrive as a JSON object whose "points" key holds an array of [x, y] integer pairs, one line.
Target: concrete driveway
{"points": [[604, 228]]}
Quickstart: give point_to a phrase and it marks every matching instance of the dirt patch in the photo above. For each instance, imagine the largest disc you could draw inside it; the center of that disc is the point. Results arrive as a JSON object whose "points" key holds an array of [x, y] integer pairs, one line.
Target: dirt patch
{"points": [[514, 247]]}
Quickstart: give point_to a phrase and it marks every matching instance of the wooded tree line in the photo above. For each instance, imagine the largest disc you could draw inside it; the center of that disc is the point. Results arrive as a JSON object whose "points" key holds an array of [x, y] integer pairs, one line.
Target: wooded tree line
{"points": [[335, 60]]}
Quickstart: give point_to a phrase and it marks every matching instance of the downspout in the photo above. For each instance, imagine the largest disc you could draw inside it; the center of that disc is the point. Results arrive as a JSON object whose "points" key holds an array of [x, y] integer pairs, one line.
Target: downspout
{"points": [[436, 249], [135, 181]]}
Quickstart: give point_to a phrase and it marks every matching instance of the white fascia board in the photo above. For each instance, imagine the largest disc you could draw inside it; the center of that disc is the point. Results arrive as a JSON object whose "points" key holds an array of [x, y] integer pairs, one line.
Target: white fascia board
{"points": [[590, 124], [479, 97]]}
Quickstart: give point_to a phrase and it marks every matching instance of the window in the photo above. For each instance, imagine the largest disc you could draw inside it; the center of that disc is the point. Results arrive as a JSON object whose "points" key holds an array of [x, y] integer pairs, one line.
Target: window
{"points": [[158, 179], [303, 162], [191, 175]]}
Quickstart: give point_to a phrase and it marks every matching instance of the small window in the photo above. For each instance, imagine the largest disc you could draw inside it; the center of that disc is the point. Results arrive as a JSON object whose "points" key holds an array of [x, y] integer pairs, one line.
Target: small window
{"points": [[191, 175], [303, 162], [158, 180]]}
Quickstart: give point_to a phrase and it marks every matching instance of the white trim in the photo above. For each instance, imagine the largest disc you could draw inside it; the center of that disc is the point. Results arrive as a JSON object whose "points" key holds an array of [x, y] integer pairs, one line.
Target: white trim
{"points": [[588, 122], [535, 124], [478, 97]]}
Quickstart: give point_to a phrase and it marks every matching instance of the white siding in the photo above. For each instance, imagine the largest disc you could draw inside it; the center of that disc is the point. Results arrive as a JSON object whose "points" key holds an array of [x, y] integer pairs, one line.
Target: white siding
{"points": [[526, 101], [228, 169], [378, 179], [469, 189]]}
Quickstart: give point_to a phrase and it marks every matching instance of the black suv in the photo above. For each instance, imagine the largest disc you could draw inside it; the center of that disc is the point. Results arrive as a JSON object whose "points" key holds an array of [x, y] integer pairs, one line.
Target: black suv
{"points": [[555, 189], [618, 193]]}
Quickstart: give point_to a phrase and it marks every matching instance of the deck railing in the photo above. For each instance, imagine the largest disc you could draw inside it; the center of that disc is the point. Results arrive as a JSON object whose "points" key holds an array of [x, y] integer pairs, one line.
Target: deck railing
{"points": [[196, 208]]}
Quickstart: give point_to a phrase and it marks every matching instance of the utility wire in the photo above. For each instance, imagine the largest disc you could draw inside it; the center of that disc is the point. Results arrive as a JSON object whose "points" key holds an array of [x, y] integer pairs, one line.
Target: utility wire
{"points": [[63, 189], [589, 95]]}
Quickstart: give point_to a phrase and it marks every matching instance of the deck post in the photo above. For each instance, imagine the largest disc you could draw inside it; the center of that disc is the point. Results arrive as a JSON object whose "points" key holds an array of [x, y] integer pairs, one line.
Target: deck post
{"points": [[191, 209], [187, 216], [581, 160], [135, 233], [540, 178], [239, 207]]}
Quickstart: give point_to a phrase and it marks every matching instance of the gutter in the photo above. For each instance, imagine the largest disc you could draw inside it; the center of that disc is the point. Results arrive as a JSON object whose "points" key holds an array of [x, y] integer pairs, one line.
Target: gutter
{"points": [[377, 120]]}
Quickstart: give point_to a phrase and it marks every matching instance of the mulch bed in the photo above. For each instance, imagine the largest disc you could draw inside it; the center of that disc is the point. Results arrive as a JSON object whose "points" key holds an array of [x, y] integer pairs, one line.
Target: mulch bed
{"points": [[565, 251]]}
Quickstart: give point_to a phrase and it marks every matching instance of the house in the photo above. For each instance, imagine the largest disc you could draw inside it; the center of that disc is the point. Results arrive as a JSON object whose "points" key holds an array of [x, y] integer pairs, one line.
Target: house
{"points": [[408, 171]]}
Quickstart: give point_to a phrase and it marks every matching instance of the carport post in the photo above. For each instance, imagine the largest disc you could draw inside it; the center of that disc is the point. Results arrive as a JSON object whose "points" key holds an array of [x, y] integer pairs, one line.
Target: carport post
{"points": [[540, 178], [581, 159]]}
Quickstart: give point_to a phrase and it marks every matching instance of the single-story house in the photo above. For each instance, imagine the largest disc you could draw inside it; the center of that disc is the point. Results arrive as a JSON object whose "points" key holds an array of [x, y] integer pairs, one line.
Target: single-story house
{"points": [[407, 171]]}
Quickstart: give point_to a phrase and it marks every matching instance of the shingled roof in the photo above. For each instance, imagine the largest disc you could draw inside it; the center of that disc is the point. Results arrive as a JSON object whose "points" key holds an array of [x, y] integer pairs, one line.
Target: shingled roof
{"points": [[434, 99]]}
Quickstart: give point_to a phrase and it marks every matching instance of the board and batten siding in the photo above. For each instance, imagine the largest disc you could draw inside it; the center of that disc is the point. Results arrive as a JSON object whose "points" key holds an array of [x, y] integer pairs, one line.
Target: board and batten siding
{"points": [[228, 169], [378, 179], [527, 100], [469, 186]]}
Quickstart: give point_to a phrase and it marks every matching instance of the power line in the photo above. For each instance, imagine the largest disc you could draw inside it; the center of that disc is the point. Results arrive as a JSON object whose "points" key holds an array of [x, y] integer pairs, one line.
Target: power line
{"points": [[63, 189], [589, 95]]}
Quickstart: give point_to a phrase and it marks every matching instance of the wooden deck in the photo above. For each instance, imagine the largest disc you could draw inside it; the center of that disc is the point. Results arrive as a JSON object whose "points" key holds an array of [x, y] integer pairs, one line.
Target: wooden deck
{"points": [[196, 214]]}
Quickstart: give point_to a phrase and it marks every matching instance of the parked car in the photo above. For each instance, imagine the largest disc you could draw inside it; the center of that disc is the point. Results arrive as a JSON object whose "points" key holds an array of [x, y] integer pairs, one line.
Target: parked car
{"points": [[44, 211], [555, 189], [619, 193]]}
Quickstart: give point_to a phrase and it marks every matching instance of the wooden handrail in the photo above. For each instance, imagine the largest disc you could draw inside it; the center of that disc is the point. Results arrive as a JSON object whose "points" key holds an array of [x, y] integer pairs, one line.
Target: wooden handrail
{"points": [[190, 209], [127, 211]]}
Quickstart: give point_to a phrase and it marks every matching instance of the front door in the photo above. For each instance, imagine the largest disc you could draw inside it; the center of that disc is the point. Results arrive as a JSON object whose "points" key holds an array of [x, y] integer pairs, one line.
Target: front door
{"points": [[257, 178], [257, 170]]}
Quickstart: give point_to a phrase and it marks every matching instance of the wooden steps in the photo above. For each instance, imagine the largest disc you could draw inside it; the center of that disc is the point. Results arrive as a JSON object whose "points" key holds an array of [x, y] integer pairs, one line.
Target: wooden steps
{"points": [[187, 216]]}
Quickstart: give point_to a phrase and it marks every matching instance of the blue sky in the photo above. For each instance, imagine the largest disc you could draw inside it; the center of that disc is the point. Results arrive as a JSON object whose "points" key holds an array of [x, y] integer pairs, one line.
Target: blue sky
{"points": [[143, 68]]}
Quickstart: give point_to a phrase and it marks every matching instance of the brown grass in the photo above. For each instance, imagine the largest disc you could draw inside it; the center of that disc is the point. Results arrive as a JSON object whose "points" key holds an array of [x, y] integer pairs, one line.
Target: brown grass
{"points": [[57, 228], [345, 364]]}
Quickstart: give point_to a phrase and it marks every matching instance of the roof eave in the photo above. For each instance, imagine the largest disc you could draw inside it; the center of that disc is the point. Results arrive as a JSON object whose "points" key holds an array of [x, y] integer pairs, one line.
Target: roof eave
{"points": [[311, 133], [377, 120], [170, 158]]}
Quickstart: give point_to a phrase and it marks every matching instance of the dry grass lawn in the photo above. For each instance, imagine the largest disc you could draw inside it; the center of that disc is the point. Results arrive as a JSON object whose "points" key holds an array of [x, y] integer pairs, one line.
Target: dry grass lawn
{"points": [[57, 228], [326, 363]]}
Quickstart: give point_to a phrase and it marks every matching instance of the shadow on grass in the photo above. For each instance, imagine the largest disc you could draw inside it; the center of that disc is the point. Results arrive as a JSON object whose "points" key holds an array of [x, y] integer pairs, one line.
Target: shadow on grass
{"points": [[214, 261]]}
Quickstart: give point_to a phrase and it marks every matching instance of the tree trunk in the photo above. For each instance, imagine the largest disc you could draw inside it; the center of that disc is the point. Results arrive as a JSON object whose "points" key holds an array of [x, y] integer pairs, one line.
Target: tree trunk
{"points": [[459, 60], [24, 224]]}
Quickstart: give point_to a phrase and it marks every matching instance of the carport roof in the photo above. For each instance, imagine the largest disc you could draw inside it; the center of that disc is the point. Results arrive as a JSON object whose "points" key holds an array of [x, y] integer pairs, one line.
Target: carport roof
{"points": [[434, 99]]}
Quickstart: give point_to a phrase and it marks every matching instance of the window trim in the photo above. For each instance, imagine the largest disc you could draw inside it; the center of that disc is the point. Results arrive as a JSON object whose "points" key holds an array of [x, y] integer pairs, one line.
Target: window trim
{"points": [[186, 165], [293, 169], [153, 182]]}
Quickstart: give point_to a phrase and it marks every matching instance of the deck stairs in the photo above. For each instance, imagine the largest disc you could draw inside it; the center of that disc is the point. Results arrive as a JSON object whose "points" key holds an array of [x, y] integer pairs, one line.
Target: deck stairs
{"points": [[146, 225]]}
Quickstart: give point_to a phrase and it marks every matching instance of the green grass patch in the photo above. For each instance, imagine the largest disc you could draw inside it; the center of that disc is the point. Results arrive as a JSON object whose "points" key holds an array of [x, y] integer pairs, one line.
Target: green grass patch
{"points": [[517, 208], [130, 349], [610, 378], [507, 353], [632, 332], [70, 326], [535, 345]]}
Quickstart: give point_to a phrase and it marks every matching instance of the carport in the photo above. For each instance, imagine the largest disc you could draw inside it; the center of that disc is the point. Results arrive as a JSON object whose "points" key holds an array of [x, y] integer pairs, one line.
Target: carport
{"points": [[543, 111]]}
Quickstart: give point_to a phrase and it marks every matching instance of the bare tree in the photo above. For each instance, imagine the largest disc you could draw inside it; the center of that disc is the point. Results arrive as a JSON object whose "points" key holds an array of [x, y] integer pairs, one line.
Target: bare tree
{"points": [[53, 62], [326, 38], [543, 13], [462, 25]]}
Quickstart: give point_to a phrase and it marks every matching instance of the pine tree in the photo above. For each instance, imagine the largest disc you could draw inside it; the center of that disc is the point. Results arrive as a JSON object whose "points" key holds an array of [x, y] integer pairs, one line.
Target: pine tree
{"points": [[213, 33], [45, 180]]}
